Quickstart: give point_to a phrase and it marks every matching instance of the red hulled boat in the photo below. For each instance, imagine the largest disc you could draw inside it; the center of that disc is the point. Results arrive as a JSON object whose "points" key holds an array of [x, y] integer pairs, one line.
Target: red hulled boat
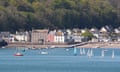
{"points": [[18, 54]]}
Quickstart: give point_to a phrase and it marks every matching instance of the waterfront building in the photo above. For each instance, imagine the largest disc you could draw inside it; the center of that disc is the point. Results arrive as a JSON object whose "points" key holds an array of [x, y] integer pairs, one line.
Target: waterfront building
{"points": [[95, 32], [95, 40], [117, 34], [77, 38], [22, 36], [104, 35], [39, 36], [69, 32], [117, 30], [59, 37], [11, 38], [50, 37], [83, 30], [76, 35], [5, 36]]}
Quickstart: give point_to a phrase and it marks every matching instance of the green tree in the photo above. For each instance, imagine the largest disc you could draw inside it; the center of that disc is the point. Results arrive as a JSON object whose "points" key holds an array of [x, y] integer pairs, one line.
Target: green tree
{"points": [[87, 34], [27, 14]]}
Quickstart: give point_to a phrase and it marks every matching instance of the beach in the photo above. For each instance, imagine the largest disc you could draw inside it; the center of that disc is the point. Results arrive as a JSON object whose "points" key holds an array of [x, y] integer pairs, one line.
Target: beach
{"points": [[101, 45], [86, 45]]}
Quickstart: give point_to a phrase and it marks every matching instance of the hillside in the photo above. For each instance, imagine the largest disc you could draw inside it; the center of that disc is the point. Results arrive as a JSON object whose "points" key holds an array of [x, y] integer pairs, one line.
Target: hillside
{"points": [[28, 14]]}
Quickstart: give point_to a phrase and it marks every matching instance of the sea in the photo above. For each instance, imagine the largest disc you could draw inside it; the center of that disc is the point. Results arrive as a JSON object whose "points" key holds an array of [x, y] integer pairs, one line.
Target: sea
{"points": [[60, 60]]}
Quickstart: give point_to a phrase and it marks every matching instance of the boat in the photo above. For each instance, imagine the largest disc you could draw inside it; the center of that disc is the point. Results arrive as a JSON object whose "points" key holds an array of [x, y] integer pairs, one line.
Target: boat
{"points": [[23, 50], [52, 46], [3, 47], [44, 52], [113, 54], [81, 51], [90, 53], [75, 51], [102, 53], [18, 54], [67, 49]]}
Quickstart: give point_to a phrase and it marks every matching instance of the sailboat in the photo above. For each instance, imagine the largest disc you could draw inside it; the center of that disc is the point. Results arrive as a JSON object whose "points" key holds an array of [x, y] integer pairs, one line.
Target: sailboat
{"points": [[81, 51], [88, 53], [67, 49], [102, 53], [75, 51], [23, 49], [18, 53], [44, 52], [91, 52], [113, 54]]}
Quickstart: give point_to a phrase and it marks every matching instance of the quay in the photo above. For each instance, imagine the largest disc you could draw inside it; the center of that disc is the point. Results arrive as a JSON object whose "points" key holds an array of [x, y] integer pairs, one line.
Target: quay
{"points": [[78, 45], [37, 45]]}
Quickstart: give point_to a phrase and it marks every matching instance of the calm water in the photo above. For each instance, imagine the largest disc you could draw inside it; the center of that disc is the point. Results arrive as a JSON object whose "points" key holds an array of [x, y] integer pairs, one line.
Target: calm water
{"points": [[59, 60]]}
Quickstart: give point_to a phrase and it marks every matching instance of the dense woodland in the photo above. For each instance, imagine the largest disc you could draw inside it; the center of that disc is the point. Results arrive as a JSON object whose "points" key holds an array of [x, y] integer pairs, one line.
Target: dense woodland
{"points": [[55, 14]]}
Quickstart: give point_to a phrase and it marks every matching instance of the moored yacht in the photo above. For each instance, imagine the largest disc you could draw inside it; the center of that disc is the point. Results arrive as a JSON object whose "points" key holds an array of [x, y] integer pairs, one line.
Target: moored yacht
{"points": [[18, 54], [44, 52], [102, 53], [75, 51], [113, 54]]}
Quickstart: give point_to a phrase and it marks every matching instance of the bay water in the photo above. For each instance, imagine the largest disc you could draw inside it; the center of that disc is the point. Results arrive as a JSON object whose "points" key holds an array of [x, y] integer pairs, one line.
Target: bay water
{"points": [[59, 60]]}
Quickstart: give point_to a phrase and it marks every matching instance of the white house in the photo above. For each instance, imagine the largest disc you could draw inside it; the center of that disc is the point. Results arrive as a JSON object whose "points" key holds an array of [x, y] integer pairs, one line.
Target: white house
{"points": [[77, 38], [59, 37], [68, 31], [11, 38], [103, 29], [95, 32], [104, 34], [21, 36], [118, 39], [117, 30], [83, 30]]}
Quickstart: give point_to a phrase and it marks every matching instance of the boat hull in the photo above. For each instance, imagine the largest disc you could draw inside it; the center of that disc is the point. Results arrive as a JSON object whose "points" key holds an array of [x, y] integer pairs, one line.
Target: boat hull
{"points": [[18, 55]]}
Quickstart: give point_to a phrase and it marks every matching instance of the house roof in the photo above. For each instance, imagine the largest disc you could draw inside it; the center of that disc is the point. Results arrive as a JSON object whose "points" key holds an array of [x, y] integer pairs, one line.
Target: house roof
{"points": [[5, 34], [51, 33], [117, 30], [103, 29], [40, 30], [93, 29], [59, 34], [83, 30]]}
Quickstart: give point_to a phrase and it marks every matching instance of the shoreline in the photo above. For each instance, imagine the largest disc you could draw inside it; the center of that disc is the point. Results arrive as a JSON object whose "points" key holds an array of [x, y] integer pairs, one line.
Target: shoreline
{"points": [[101, 45], [87, 45]]}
